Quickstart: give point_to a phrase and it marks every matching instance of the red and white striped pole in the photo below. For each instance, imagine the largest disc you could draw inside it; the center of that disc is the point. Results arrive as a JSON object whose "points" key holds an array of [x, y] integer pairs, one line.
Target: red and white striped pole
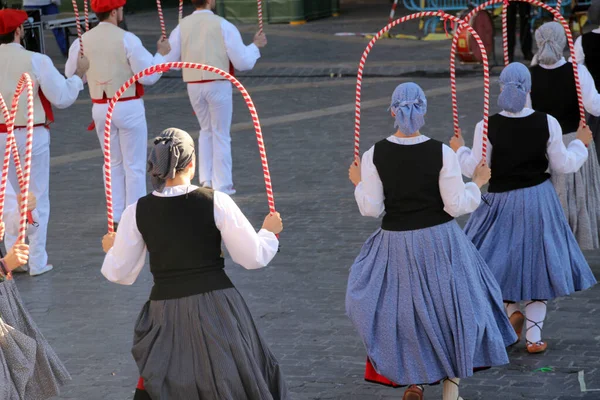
{"points": [[180, 10], [363, 60], [86, 15], [160, 68], [77, 22], [505, 32], [260, 16], [559, 18], [393, 11], [6, 160], [161, 19]]}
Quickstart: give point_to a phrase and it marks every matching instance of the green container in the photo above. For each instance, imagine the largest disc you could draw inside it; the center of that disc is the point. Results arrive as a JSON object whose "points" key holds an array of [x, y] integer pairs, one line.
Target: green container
{"points": [[277, 11]]}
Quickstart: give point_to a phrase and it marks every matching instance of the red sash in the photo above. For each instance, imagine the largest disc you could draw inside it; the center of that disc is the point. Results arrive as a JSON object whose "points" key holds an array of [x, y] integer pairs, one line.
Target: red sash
{"points": [[139, 93]]}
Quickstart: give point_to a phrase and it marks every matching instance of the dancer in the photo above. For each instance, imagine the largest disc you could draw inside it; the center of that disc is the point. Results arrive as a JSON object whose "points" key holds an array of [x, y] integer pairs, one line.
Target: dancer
{"points": [[521, 231], [29, 368], [50, 88], [209, 39], [116, 56], [419, 294], [553, 92], [193, 304], [587, 51]]}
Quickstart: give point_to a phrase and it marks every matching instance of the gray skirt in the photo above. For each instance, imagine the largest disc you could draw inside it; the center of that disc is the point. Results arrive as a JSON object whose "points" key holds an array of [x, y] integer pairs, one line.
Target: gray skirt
{"points": [[205, 347], [29, 368], [579, 195]]}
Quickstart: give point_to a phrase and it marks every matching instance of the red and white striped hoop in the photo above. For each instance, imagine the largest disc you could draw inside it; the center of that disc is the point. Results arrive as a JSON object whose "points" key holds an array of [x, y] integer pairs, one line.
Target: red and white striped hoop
{"points": [[446, 17], [160, 68]]}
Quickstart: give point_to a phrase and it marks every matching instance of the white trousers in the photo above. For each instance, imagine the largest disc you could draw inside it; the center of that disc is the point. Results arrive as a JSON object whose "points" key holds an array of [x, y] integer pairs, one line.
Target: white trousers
{"points": [[213, 105], [128, 151], [38, 185]]}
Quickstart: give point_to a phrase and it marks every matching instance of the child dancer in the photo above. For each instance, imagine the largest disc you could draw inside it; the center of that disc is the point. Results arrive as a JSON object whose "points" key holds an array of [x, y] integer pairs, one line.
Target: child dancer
{"points": [[29, 368], [521, 230], [419, 294], [553, 92], [195, 338]]}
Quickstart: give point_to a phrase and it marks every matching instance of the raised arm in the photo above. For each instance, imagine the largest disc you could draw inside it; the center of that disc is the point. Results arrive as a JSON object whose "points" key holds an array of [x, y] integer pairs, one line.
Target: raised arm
{"points": [[242, 57], [591, 98], [564, 160], [59, 91], [470, 158], [125, 251], [248, 248], [140, 58], [175, 42], [459, 198], [369, 188]]}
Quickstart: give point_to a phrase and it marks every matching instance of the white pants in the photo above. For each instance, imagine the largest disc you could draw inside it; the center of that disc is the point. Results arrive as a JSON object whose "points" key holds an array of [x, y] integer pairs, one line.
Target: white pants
{"points": [[38, 185], [128, 151], [213, 105]]}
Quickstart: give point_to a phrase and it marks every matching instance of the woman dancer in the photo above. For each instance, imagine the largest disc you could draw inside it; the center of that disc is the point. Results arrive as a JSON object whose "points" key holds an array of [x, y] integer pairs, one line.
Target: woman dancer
{"points": [[521, 230], [195, 338], [29, 368], [553, 92], [420, 296]]}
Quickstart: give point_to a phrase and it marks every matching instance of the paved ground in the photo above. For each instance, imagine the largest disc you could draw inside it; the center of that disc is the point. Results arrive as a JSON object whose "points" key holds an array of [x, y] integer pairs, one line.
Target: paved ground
{"points": [[298, 301]]}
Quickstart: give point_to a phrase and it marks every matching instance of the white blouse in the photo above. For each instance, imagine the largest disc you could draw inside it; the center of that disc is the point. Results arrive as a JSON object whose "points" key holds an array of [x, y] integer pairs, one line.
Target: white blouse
{"points": [[579, 54], [591, 98], [252, 250], [562, 160], [459, 198]]}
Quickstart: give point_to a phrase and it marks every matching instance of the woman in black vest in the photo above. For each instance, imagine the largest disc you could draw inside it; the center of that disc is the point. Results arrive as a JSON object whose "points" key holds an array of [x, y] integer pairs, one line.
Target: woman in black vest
{"points": [[587, 51], [521, 230], [419, 294], [553, 92], [195, 338]]}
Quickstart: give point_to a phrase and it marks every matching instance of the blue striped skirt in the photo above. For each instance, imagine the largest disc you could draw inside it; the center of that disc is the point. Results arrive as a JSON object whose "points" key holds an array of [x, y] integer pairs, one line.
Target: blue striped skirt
{"points": [[525, 239], [426, 306]]}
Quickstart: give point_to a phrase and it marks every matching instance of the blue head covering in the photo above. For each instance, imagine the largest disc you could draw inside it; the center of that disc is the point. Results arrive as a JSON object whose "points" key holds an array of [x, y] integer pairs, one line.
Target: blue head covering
{"points": [[515, 82], [410, 106]]}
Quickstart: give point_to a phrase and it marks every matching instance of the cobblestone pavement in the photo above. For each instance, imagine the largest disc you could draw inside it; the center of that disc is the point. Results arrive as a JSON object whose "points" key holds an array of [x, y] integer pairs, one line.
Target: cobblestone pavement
{"points": [[298, 301]]}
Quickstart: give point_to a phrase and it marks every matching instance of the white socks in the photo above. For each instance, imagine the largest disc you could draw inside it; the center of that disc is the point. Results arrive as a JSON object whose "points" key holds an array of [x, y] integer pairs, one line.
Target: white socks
{"points": [[535, 313], [511, 308], [451, 389]]}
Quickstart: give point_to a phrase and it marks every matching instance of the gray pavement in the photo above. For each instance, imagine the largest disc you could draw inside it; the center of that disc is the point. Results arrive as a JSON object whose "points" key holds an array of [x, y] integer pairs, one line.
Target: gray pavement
{"points": [[298, 301]]}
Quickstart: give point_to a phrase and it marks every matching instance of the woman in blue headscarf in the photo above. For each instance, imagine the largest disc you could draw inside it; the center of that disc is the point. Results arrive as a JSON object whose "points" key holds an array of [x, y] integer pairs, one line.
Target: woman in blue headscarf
{"points": [[521, 230], [419, 294]]}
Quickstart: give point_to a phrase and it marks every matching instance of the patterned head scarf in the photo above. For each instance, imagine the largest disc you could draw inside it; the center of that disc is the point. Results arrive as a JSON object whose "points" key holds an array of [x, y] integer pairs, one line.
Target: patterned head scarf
{"points": [[410, 106], [173, 150], [551, 41], [515, 82]]}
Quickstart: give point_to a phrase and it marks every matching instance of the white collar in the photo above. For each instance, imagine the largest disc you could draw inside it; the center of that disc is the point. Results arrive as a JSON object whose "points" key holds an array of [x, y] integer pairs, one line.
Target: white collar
{"points": [[408, 140], [172, 191], [521, 114], [14, 45], [557, 64], [202, 11]]}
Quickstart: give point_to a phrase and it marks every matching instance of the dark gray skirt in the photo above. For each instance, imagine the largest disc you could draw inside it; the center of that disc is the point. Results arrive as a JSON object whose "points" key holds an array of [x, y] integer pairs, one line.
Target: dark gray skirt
{"points": [[205, 347], [29, 368]]}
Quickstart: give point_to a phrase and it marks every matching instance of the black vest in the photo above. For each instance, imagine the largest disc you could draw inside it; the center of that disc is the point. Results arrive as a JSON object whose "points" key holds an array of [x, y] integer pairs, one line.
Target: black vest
{"points": [[519, 151], [410, 175], [591, 48], [184, 244], [553, 92]]}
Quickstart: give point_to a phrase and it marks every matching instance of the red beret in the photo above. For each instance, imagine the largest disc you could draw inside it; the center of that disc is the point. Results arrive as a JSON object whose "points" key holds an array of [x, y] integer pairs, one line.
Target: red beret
{"points": [[100, 6], [10, 20]]}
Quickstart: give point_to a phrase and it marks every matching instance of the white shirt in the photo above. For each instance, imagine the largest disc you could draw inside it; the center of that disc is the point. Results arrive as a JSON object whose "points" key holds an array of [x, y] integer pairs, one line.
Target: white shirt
{"points": [[562, 160], [139, 58], [591, 98], [252, 250], [459, 198], [579, 54], [241, 56], [59, 91]]}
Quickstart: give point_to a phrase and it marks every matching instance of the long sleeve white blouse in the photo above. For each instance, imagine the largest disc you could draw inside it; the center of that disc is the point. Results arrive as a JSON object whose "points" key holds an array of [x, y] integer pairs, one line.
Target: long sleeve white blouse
{"points": [[241, 56], [125, 260], [563, 160], [459, 198], [59, 91], [579, 54], [138, 56]]}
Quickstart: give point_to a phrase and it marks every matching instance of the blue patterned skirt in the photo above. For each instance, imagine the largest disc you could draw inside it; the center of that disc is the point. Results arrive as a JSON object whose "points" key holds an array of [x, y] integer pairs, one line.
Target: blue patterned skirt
{"points": [[426, 306], [525, 239]]}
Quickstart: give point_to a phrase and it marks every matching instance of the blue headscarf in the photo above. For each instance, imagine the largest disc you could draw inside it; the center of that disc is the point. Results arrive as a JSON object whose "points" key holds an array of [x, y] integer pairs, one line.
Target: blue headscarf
{"points": [[410, 106], [515, 81]]}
